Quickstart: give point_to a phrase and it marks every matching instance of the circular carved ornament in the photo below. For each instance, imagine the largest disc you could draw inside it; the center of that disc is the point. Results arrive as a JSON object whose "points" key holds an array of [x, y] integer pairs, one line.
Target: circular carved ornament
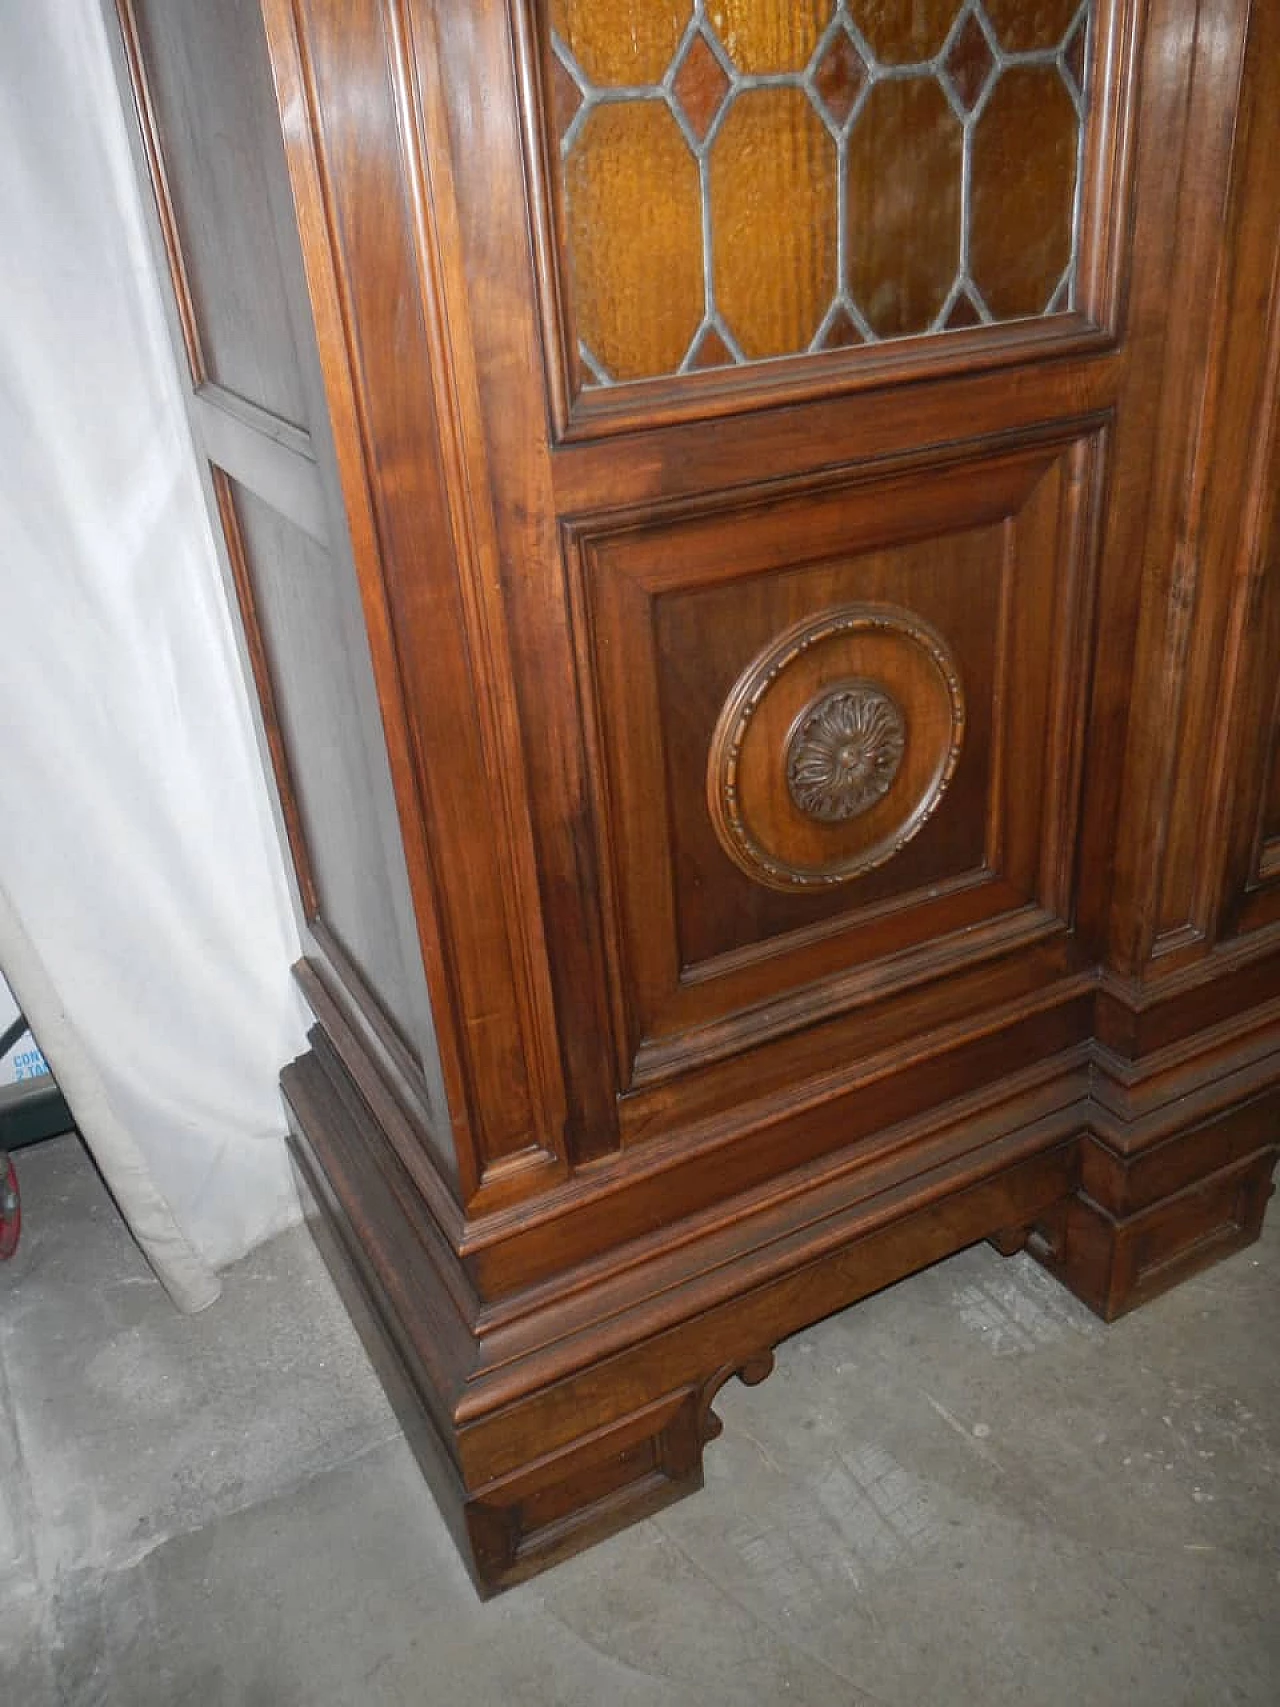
{"points": [[809, 791], [845, 751]]}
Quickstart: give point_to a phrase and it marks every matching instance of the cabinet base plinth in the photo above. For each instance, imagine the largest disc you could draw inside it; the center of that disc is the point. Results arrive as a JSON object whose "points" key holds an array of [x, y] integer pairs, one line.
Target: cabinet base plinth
{"points": [[1114, 1261], [546, 1420]]}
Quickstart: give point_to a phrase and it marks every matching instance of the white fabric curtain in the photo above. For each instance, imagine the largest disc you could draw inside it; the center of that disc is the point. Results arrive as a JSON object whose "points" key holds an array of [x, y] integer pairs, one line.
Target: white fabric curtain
{"points": [[145, 920]]}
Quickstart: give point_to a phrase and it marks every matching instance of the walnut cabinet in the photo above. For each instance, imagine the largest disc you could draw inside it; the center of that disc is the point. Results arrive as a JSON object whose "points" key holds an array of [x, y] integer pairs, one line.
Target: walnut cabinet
{"points": [[755, 530]]}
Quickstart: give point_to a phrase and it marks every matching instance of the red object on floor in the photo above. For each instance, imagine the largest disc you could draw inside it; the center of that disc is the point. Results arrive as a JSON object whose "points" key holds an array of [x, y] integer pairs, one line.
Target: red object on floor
{"points": [[10, 1209]]}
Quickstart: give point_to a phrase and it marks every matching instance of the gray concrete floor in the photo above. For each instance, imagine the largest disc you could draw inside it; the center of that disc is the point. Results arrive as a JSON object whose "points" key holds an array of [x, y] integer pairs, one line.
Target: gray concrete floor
{"points": [[963, 1490]]}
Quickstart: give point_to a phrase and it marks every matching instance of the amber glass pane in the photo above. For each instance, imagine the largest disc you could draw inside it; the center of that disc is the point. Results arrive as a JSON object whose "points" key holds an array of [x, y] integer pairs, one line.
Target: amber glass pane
{"points": [[621, 41], [762, 35], [905, 158], [1023, 25], [903, 32], [1024, 174], [773, 221], [635, 239]]}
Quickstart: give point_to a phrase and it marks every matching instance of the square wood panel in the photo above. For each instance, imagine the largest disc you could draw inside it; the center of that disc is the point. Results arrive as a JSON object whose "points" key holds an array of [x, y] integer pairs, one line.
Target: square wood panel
{"points": [[958, 594]]}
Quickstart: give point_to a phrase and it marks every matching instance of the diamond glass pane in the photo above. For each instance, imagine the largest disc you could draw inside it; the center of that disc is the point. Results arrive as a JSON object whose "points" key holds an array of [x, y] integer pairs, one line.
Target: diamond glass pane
{"points": [[743, 180]]}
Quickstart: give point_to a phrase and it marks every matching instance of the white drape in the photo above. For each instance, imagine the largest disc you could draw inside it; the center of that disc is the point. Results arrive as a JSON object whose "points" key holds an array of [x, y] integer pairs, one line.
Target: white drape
{"points": [[145, 923]]}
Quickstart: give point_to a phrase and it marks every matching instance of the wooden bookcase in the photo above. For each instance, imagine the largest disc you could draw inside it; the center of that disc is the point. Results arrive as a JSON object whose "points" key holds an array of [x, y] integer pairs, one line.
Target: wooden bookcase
{"points": [[755, 531]]}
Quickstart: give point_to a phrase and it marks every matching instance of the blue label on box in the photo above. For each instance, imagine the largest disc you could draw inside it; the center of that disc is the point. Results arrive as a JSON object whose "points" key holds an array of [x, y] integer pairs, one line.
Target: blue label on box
{"points": [[29, 1064]]}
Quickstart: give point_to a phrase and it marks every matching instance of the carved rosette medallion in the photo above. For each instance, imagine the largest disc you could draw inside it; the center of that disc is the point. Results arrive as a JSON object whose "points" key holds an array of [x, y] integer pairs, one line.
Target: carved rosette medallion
{"points": [[835, 747], [846, 751]]}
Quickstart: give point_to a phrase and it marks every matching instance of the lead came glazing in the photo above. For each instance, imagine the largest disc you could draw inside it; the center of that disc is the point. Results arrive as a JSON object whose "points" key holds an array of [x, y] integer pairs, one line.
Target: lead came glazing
{"points": [[833, 172]]}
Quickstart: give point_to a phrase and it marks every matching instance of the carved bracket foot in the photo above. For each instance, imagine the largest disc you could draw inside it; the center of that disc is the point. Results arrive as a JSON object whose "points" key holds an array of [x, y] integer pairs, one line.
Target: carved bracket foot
{"points": [[567, 1501], [751, 1373]]}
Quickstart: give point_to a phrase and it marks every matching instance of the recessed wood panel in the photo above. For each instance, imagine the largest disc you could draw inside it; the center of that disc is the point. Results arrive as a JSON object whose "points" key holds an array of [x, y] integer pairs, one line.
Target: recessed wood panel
{"points": [[1255, 902], [305, 609], [1227, 696], [210, 84], [1234, 684], [1271, 803], [938, 610], [1267, 642]]}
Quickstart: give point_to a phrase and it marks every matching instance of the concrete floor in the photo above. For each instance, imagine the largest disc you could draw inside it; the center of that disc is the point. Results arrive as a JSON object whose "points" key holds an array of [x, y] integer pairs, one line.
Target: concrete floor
{"points": [[963, 1490]]}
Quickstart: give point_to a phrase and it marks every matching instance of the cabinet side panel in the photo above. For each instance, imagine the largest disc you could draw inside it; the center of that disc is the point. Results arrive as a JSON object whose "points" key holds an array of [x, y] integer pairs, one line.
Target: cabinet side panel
{"points": [[408, 438], [204, 94], [1212, 552]]}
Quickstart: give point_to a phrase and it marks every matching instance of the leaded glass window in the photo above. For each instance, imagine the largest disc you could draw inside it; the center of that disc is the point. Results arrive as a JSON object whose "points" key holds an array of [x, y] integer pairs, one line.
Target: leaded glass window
{"points": [[748, 179]]}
